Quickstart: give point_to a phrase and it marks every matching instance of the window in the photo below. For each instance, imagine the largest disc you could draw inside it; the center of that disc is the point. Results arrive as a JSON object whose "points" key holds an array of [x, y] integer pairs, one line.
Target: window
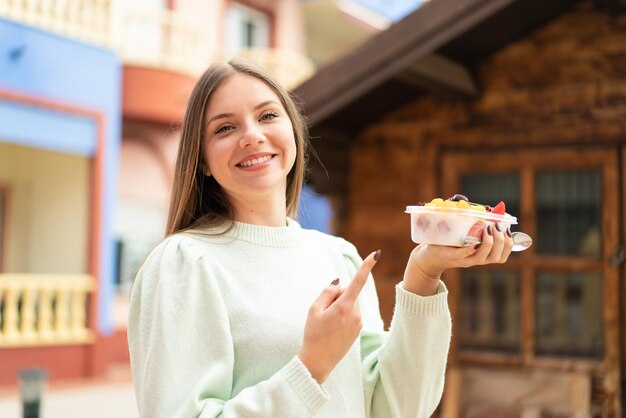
{"points": [[490, 308], [569, 314], [568, 212], [139, 228], [490, 305], [549, 303], [245, 28]]}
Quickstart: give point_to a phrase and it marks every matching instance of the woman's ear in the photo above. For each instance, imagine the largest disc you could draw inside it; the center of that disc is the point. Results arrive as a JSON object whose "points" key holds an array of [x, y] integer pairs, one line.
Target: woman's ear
{"points": [[206, 170]]}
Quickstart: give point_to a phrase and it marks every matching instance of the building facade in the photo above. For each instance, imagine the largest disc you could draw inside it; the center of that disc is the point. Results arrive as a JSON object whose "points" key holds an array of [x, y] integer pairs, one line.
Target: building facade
{"points": [[521, 103], [59, 145], [92, 95]]}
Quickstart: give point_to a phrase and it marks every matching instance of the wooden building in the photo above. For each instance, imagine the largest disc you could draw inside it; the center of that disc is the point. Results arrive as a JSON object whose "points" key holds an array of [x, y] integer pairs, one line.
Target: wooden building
{"points": [[521, 101]]}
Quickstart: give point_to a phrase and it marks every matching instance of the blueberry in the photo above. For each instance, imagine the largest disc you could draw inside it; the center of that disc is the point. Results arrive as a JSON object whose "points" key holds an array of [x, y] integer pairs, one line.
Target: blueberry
{"points": [[458, 197]]}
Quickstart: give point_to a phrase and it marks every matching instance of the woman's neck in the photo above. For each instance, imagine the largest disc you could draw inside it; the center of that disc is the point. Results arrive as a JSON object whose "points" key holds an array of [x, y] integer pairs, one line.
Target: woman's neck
{"points": [[264, 212]]}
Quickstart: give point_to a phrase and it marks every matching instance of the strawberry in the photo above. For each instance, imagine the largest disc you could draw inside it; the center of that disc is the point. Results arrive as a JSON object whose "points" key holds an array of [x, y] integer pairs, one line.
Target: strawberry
{"points": [[476, 231], [499, 209]]}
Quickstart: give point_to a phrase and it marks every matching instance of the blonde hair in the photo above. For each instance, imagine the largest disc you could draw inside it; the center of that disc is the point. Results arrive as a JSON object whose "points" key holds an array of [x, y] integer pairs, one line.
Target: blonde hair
{"points": [[198, 200]]}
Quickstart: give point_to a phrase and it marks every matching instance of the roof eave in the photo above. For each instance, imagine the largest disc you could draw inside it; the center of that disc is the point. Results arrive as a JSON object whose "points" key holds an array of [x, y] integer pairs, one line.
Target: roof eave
{"points": [[390, 53]]}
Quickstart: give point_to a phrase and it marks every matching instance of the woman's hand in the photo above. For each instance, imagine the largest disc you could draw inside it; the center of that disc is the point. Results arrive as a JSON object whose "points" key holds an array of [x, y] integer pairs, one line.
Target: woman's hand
{"points": [[333, 323], [428, 262]]}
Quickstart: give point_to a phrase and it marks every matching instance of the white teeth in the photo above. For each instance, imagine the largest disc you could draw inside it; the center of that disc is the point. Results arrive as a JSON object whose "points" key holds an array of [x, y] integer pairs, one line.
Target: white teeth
{"points": [[255, 161]]}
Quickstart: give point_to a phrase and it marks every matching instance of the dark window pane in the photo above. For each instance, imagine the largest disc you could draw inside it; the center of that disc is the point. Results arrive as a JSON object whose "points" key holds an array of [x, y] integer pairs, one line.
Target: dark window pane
{"points": [[249, 33], [569, 314], [490, 310], [489, 189], [568, 213]]}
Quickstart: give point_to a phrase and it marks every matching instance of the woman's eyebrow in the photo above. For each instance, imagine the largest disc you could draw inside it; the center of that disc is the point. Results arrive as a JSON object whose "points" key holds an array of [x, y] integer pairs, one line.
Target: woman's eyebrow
{"points": [[265, 103], [219, 116], [228, 115]]}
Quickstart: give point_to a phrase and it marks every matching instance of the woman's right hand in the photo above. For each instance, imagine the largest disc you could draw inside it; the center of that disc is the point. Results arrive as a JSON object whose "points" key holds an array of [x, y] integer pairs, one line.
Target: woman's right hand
{"points": [[333, 323]]}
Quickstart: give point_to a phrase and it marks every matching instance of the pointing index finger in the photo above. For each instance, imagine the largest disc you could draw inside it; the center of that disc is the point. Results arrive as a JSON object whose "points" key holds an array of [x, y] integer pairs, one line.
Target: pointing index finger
{"points": [[352, 291]]}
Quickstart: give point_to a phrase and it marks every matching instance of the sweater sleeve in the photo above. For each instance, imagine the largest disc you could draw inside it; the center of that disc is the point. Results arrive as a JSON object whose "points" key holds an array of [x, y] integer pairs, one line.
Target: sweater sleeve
{"points": [[181, 348], [404, 368]]}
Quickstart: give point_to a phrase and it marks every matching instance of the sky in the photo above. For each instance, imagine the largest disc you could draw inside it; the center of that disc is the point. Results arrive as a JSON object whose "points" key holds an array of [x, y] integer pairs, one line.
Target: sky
{"points": [[394, 10]]}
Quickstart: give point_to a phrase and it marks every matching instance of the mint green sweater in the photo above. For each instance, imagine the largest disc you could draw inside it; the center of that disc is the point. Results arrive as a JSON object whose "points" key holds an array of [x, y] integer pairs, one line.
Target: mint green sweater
{"points": [[216, 323]]}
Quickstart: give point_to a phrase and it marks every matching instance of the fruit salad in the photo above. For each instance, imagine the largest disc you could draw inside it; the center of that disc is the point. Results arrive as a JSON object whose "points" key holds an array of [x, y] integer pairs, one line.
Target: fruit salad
{"points": [[455, 221]]}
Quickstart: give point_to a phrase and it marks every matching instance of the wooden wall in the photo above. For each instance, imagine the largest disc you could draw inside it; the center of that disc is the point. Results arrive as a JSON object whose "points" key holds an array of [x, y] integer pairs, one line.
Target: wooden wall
{"points": [[564, 84]]}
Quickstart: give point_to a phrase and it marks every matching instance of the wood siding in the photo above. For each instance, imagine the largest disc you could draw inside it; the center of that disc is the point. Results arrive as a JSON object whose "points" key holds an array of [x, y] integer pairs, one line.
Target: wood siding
{"points": [[563, 87]]}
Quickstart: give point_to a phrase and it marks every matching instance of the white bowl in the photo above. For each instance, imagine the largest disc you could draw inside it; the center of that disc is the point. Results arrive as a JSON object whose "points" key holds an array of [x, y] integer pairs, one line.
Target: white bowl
{"points": [[457, 227]]}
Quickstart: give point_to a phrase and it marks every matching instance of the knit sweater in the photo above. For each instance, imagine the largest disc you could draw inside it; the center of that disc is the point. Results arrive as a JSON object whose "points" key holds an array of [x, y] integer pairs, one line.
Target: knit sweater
{"points": [[216, 322]]}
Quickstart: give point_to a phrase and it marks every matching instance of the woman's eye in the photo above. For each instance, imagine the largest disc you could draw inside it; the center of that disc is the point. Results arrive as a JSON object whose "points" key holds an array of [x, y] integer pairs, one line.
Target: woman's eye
{"points": [[223, 128], [269, 115]]}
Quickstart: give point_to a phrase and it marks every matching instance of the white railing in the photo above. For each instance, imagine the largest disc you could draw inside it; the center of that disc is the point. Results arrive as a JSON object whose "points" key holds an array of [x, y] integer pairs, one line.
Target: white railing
{"points": [[161, 39], [44, 309], [88, 20]]}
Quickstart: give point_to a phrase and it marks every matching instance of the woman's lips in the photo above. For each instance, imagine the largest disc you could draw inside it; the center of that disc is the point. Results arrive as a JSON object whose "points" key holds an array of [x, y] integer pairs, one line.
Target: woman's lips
{"points": [[254, 161]]}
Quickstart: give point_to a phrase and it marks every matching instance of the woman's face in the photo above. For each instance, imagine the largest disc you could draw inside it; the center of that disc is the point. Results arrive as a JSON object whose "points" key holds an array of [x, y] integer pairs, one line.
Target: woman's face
{"points": [[249, 144]]}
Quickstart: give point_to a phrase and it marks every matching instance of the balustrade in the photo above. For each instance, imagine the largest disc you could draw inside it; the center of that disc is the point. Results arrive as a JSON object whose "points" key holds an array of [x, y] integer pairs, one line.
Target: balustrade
{"points": [[88, 20], [163, 39], [44, 309]]}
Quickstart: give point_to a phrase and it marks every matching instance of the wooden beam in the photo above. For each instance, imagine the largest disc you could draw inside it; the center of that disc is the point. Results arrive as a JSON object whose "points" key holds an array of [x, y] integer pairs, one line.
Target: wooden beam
{"points": [[390, 53], [435, 72]]}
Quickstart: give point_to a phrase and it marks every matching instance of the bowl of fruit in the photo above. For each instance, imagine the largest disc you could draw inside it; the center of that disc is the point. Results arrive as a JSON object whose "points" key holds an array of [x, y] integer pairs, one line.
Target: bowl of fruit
{"points": [[456, 221]]}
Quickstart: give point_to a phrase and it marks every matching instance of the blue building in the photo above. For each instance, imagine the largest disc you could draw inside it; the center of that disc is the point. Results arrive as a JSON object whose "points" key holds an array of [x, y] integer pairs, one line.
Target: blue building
{"points": [[59, 145]]}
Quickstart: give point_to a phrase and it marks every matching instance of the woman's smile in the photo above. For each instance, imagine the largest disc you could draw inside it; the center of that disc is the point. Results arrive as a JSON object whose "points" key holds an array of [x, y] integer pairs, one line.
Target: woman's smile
{"points": [[256, 161]]}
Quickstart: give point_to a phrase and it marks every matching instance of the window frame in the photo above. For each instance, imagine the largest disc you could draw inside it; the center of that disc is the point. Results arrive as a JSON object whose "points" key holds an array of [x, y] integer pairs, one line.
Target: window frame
{"points": [[261, 9], [526, 162]]}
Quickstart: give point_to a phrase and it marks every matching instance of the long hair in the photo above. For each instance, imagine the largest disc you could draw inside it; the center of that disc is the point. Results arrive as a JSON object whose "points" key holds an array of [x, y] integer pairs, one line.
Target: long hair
{"points": [[198, 200]]}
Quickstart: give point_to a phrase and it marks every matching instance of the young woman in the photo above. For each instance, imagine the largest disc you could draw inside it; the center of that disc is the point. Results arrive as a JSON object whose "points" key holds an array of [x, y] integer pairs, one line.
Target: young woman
{"points": [[240, 312]]}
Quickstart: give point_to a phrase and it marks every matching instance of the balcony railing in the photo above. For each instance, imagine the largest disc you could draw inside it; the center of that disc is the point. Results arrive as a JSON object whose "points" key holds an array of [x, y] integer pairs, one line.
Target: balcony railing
{"points": [[44, 309], [161, 39], [88, 20]]}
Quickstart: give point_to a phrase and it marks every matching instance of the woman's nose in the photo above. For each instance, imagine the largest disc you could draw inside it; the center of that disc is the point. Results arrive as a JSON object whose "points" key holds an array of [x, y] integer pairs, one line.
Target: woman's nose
{"points": [[251, 136]]}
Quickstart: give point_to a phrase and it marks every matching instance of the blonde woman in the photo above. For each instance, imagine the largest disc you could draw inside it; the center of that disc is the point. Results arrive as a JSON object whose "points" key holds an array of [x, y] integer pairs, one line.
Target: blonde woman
{"points": [[240, 312]]}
